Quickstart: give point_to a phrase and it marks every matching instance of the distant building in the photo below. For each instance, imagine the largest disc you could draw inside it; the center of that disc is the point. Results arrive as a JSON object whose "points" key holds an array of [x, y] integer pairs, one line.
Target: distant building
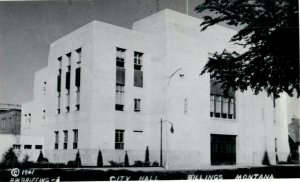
{"points": [[107, 87], [10, 124]]}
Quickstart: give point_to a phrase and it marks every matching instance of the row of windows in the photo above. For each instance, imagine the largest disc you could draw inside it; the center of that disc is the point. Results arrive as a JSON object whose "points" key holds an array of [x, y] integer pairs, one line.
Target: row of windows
{"points": [[38, 147], [7, 124], [120, 78], [221, 105], [66, 139], [68, 80]]}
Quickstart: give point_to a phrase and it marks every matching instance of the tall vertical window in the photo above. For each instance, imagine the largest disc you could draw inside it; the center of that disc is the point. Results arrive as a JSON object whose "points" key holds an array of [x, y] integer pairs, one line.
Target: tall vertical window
{"points": [[120, 79], [221, 105], [138, 73], [65, 139], [68, 81], [77, 84], [75, 143], [59, 85], [137, 105], [56, 140], [120, 58], [119, 139], [77, 79], [119, 106]]}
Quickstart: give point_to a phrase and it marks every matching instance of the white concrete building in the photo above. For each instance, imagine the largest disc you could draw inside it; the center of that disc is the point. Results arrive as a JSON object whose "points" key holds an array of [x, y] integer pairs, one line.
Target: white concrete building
{"points": [[107, 87]]}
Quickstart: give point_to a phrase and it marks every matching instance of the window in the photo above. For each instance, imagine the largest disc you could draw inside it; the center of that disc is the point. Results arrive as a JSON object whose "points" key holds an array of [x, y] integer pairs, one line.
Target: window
{"points": [[79, 55], [58, 88], [56, 140], [221, 105], [77, 84], [16, 146], [40, 147], [138, 60], [27, 146], [75, 143], [137, 105], [77, 78], [120, 58], [138, 73], [119, 106], [68, 74], [65, 139], [119, 139], [223, 149]]}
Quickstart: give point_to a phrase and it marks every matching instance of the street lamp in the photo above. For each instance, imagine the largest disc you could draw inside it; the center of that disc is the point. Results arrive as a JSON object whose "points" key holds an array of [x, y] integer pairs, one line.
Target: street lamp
{"points": [[161, 141]]}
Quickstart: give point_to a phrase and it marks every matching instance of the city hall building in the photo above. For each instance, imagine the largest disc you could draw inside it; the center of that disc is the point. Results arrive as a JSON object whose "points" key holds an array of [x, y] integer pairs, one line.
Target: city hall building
{"points": [[122, 90]]}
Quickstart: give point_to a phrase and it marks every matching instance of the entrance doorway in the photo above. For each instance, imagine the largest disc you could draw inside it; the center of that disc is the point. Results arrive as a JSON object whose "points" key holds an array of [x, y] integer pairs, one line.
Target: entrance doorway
{"points": [[223, 149]]}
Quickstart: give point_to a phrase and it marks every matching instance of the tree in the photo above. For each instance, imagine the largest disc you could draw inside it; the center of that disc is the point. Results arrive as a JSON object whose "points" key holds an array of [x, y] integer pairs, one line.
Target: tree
{"points": [[266, 160], [25, 159], [269, 32], [41, 157], [10, 158], [147, 160], [78, 159], [100, 159], [126, 160]]}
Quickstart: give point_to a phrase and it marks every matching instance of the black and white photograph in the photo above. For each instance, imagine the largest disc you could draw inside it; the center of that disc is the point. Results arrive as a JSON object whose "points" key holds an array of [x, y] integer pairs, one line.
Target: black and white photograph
{"points": [[144, 90]]}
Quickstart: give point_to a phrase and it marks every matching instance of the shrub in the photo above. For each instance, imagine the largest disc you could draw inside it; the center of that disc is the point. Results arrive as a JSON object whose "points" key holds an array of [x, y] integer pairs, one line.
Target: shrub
{"points": [[115, 164], [155, 164], [41, 158], [126, 160], [25, 159], [100, 159], [138, 164], [147, 161], [10, 158], [266, 160], [71, 164], [78, 159]]}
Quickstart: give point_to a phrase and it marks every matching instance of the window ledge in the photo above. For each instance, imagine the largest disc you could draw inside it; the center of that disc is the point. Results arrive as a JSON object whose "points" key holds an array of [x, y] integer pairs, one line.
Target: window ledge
{"points": [[223, 119]]}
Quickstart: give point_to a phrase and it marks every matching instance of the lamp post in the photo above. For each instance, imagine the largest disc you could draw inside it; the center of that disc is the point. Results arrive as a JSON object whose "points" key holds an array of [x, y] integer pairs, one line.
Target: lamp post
{"points": [[161, 138]]}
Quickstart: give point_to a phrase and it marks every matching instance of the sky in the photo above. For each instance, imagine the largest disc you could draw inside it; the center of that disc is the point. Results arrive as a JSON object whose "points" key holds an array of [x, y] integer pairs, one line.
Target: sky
{"points": [[28, 28]]}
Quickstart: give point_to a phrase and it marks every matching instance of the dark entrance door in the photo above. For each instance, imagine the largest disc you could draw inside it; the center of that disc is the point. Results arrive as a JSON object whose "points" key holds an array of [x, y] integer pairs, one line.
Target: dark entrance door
{"points": [[223, 150]]}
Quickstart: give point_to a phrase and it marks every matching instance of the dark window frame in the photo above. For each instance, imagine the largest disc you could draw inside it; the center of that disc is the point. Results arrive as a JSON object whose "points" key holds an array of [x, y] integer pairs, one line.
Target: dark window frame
{"points": [[119, 139]]}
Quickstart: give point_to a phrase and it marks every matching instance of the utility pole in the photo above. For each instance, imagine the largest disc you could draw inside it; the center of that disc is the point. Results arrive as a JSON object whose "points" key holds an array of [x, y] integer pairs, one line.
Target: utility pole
{"points": [[161, 153]]}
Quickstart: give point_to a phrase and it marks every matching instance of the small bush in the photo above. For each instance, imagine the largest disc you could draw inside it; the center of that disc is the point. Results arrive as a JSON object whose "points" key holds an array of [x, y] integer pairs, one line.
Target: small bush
{"points": [[25, 159], [138, 164], [155, 164], [71, 164], [115, 164], [100, 159], [78, 159], [266, 160], [41, 158], [147, 161], [10, 158], [126, 160]]}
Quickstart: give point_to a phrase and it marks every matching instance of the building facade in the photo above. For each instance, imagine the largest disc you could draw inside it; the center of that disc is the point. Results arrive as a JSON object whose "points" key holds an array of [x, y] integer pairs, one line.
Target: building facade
{"points": [[115, 89]]}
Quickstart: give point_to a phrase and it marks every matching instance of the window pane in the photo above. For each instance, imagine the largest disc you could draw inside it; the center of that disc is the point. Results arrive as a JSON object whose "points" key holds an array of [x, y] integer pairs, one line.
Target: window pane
{"points": [[138, 78], [77, 81], [225, 105], [218, 104], [212, 103]]}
